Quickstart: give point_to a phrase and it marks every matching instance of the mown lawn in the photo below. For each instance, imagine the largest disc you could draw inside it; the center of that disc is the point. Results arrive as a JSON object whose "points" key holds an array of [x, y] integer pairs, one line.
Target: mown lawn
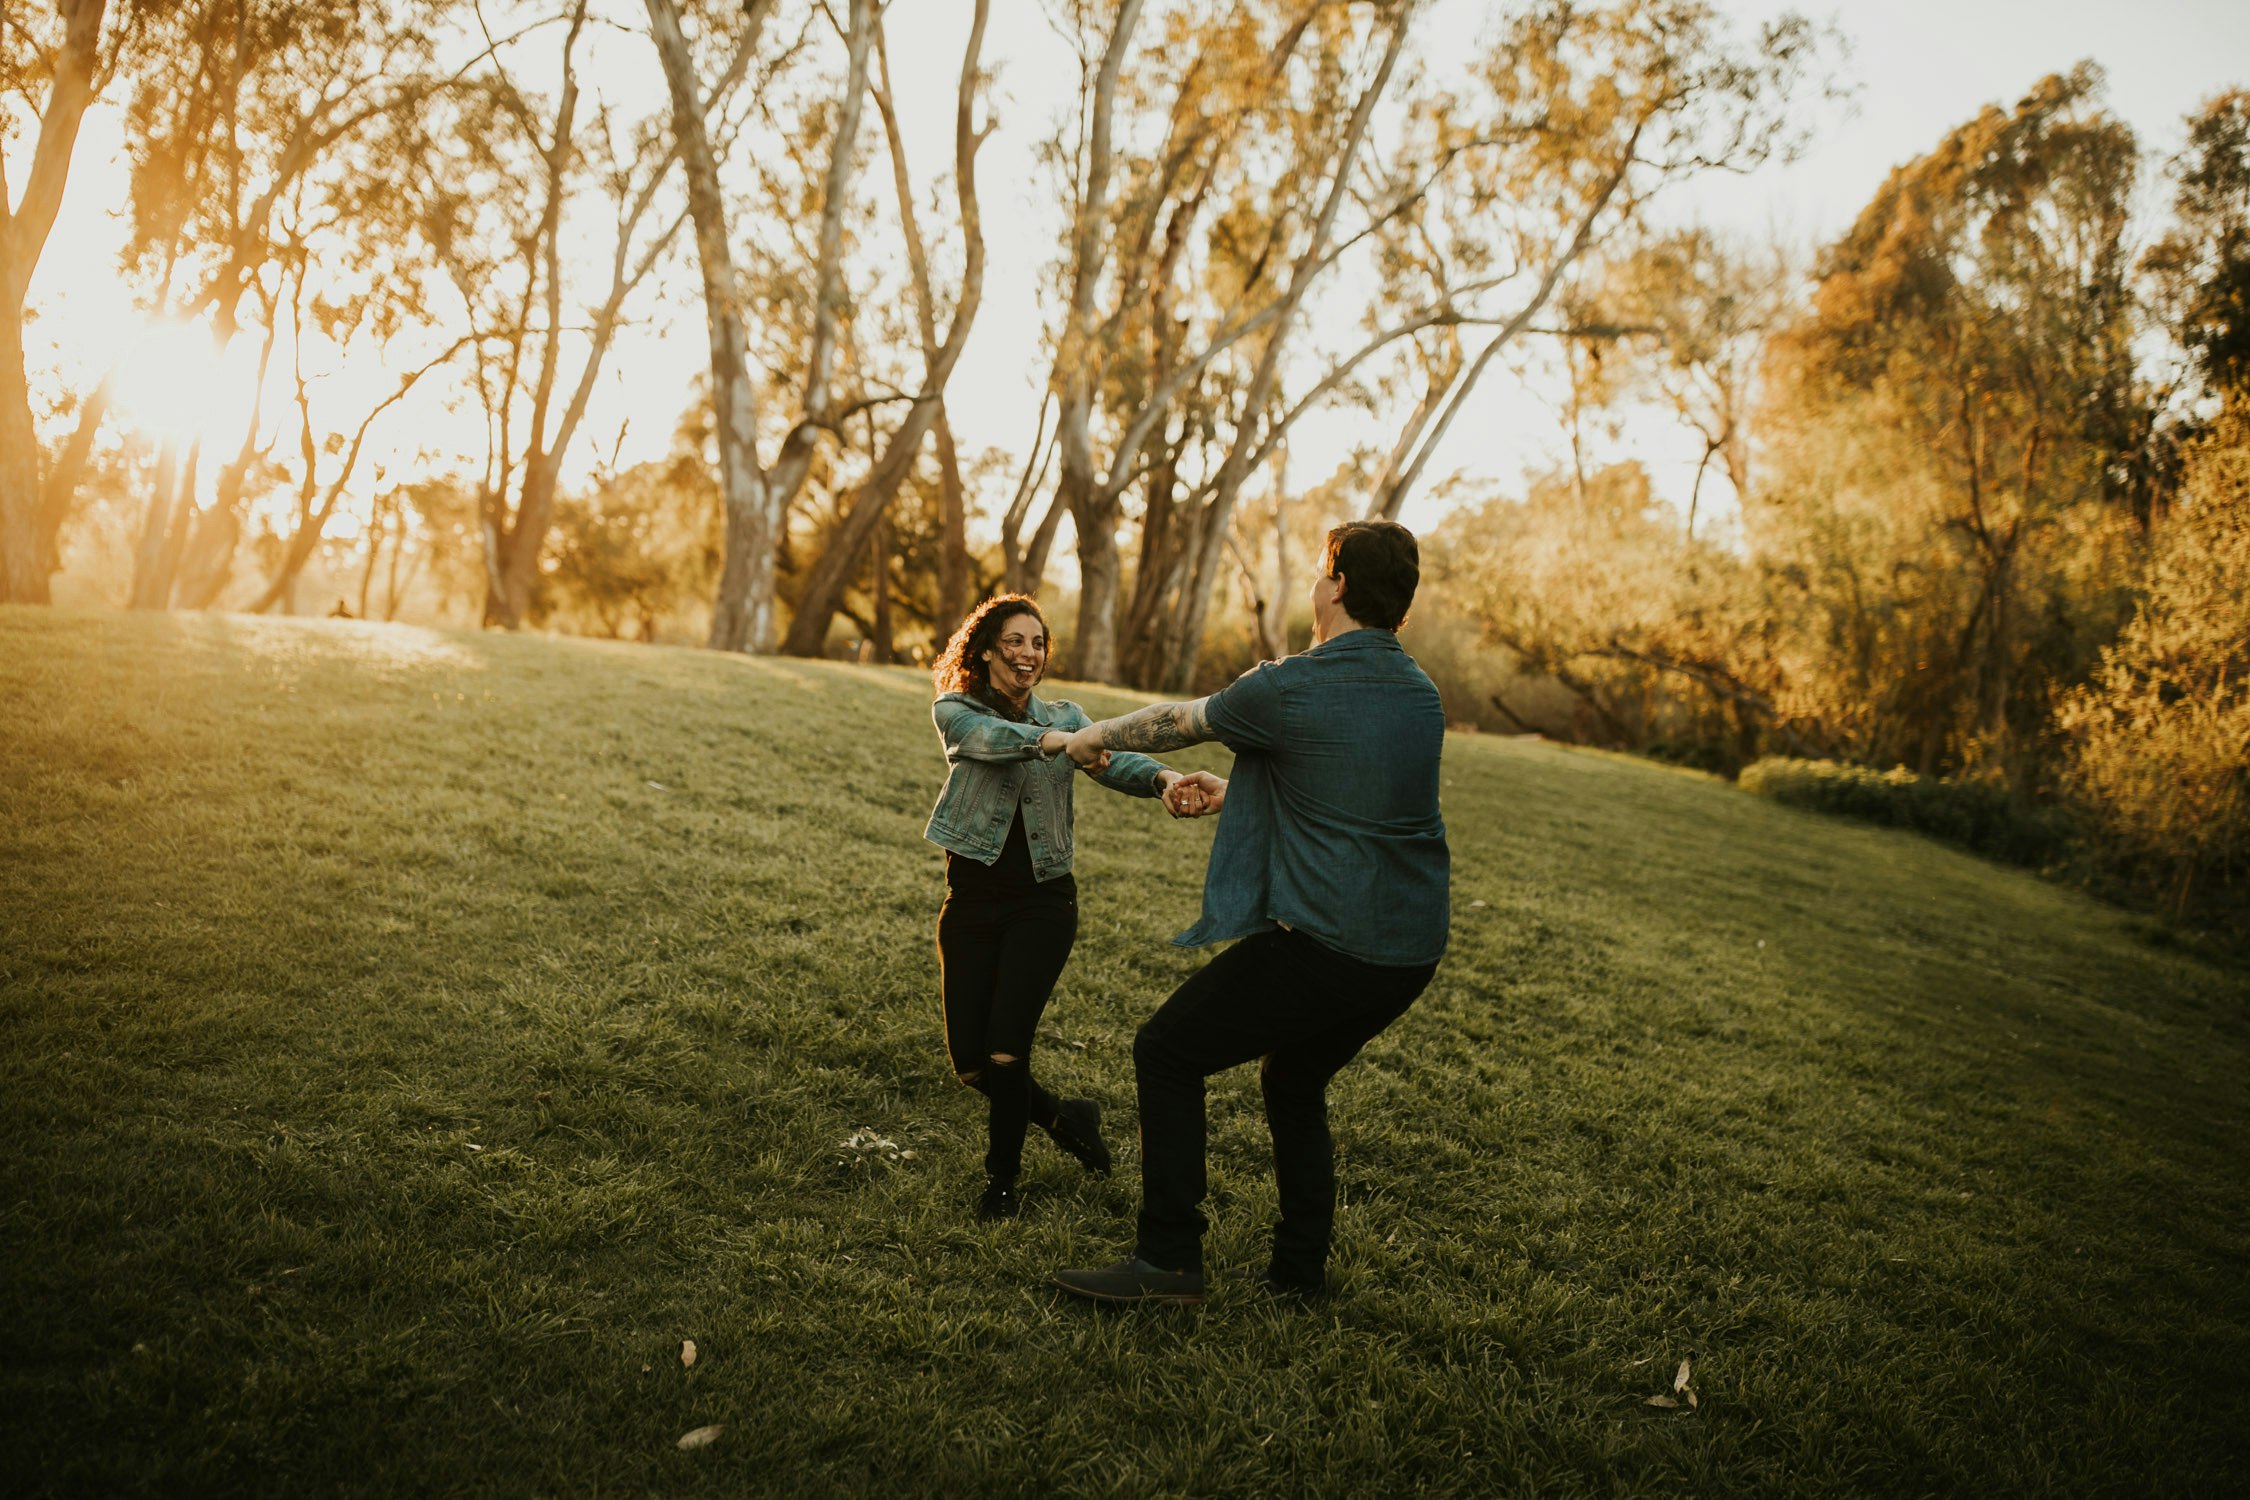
{"points": [[410, 1038]]}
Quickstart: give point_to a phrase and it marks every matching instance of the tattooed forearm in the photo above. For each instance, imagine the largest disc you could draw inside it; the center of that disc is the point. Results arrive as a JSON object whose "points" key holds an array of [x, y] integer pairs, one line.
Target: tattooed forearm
{"points": [[1158, 727]]}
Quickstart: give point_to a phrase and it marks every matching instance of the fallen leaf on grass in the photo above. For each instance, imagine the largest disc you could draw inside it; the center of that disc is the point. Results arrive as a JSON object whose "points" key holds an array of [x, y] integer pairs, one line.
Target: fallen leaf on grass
{"points": [[702, 1437], [1691, 1396], [687, 1354], [1660, 1401], [1679, 1381]]}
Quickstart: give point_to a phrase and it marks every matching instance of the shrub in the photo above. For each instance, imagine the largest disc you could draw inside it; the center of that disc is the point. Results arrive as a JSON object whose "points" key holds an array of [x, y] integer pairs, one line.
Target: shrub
{"points": [[1977, 815], [2157, 757]]}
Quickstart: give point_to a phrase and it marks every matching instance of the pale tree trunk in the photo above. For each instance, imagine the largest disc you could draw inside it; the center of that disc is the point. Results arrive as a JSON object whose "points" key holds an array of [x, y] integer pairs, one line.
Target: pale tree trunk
{"points": [[312, 519], [24, 561], [953, 519], [825, 584], [1018, 572], [1243, 452], [184, 516], [1094, 511], [742, 614], [513, 565], [61, 481], [879, 588], [209, 561], [953, 528], [156, 528]]}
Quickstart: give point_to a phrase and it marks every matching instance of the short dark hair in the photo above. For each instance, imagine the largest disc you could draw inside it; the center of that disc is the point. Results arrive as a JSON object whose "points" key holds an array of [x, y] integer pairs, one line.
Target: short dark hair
{"points": [[960, 667], [1381, 563]]}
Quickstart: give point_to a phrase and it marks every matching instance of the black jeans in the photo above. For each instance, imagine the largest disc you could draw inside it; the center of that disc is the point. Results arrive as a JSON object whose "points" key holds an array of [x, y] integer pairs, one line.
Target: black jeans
{"points": [[999, 958], [1305, 1010]]}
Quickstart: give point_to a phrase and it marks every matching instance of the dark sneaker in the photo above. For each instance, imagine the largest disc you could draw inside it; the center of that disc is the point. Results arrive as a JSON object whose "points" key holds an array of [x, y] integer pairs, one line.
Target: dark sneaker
{"points": [[1134, 1281], [1078, 1130], [999, 1201]]}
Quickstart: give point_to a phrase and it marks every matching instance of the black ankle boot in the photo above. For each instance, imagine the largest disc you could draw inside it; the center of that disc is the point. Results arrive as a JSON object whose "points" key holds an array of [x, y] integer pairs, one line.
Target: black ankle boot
{"points": [[999, 1201], [1078, 1130]]}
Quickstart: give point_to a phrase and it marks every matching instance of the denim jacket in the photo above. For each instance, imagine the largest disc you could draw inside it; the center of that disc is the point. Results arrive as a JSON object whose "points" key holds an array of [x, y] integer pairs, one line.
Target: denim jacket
{"points": [[995, 767]]}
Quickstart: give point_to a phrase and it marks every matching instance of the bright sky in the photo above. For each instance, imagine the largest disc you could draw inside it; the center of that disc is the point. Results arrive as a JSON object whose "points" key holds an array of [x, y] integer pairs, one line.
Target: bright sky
{"points": [[1918, 68]]}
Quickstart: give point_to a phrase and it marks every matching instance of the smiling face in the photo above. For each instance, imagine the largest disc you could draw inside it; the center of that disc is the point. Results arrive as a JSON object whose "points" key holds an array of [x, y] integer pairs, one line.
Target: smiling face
{"points": [[1017, 657]]}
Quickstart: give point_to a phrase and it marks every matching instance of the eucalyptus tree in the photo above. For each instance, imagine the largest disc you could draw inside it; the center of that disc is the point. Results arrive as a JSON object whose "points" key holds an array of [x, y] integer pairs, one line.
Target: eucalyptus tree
{"points": [[356, 321], [1705, 310], [1223, 132], [2200, 266], [1950, 432], [1575, 119], [235, 108], [53, 63], [1285, 163], [755, 499], [547, 208], [821, 591]]}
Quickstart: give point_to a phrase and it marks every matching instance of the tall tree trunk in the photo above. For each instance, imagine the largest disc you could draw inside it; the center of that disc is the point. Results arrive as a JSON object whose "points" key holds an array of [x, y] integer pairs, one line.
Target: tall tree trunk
{"points": [[156, 529], [742, 613], [953, 528], [186, 516], [23, 570], [60, 484], [824, 585], [879, 588], [519, 567], [1236, 466], [23, 236]]}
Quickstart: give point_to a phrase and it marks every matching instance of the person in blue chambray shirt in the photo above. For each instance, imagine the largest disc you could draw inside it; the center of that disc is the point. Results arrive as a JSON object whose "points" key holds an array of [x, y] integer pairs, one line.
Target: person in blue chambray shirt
{"points": [[1011, 903], [1330, 876]]}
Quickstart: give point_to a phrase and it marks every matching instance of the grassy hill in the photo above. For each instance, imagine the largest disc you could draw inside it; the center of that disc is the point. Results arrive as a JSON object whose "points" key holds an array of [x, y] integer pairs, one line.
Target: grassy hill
{"points": [[407, 1039]]}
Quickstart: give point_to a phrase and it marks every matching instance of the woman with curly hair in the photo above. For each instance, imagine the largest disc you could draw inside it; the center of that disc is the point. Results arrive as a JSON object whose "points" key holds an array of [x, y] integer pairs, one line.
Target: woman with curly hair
{"points": [[1011, 904]]}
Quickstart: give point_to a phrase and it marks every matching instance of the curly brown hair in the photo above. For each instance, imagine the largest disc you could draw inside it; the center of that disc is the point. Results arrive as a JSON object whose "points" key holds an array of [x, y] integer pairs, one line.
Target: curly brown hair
{"points": [[960, 666]]}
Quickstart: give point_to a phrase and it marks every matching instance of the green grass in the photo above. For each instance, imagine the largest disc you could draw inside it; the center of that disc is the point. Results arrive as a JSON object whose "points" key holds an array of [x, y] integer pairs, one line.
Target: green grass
{"points": [[408, 1038]]}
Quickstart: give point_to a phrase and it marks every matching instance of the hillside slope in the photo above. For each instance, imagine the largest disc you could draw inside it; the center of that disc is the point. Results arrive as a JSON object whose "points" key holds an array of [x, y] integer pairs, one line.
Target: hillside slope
{"points": [[411, 1037]]}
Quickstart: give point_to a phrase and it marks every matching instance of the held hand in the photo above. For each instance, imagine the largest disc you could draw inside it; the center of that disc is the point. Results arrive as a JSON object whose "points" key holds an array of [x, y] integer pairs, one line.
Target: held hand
{"points": [[1196, 796], [1182, 799], [1210, 791], [1085, 747], [1057, 742]]}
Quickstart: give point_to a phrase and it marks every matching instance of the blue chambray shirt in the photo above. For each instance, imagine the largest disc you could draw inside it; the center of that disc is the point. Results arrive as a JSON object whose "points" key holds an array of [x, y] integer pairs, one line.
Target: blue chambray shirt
{"points": [[993, 768], [1332, 824]]}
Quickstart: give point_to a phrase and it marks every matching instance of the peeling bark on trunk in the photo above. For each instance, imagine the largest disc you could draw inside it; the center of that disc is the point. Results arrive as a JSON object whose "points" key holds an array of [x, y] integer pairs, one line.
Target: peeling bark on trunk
{"points": [[824, 586], [742, 613], [24, 559]]}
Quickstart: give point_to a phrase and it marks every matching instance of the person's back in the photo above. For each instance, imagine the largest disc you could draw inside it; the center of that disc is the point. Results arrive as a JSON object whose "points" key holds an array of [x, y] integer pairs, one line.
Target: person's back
{"points": [[1332, 823], [1331, 867]]}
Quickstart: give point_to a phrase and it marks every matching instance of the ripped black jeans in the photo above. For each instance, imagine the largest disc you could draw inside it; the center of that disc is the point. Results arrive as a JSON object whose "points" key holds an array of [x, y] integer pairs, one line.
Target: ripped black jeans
{"points": [[999, 956]]}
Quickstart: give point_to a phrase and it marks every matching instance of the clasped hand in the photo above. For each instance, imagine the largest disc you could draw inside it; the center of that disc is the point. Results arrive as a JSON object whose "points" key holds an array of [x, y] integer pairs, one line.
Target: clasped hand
{"points": [[1197, 795]]}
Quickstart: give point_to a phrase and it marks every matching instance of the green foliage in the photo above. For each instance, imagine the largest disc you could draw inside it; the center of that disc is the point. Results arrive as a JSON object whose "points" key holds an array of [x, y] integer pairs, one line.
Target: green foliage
{"points": [[637, 556], [380, 1117], [1978, 815], [2201, 266], [2158, 755]]}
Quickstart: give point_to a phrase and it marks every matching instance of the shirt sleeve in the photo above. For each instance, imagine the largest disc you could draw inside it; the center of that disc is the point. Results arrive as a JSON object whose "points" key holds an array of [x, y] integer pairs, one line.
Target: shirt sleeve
{"points": [[1130, 772], [971, 735], [1246, 713]]}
